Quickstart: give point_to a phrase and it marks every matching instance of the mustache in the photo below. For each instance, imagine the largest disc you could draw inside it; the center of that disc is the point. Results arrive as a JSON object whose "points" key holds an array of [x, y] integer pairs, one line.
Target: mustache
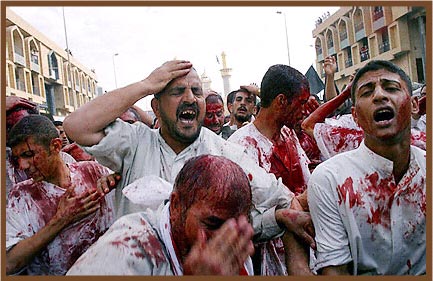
{"points": [[243, 107], [186, 106]]}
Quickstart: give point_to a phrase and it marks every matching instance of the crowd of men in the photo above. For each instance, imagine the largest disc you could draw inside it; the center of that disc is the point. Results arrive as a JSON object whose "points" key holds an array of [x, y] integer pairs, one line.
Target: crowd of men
{"points": [[283, 185]]}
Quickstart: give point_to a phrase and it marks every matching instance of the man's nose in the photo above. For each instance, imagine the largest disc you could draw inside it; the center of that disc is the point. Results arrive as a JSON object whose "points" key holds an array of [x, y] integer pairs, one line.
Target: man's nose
{"points": [[188, 96], [214, 119], [379, 94]]}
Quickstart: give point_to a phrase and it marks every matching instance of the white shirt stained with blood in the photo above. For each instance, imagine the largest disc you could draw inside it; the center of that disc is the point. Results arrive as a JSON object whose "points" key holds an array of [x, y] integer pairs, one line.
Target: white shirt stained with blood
{"points": [[32, 204], [361, 214], [135, 151]]}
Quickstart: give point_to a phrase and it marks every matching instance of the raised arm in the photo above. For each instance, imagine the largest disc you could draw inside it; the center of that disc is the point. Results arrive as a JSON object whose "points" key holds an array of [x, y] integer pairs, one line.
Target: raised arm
{"points": [[86, 125], [330, 67], [319, 115]]}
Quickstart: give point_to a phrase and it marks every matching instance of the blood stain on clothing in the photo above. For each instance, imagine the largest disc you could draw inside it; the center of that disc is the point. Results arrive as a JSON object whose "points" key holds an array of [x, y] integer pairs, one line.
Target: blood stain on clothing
{"points": [[346, 192], [285, 163], [250, 177]]}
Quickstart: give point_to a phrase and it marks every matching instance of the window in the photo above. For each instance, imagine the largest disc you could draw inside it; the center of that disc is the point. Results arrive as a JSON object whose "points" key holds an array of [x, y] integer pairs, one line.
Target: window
{"points": [[53, 66]]}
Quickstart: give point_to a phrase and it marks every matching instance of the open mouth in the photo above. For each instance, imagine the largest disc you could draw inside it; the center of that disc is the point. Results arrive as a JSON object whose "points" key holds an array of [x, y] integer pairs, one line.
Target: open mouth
{"points": [[187, 116], [383, 115], [242, 110]]}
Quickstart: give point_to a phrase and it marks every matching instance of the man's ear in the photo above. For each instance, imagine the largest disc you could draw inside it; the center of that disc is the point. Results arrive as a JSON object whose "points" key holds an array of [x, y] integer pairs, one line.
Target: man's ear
{"points": [[415, 105], [354, 115], [56, 145], [155, 106]]}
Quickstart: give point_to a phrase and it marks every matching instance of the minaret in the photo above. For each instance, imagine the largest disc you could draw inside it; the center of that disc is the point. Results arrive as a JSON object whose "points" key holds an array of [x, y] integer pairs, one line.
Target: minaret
{"points": [[225, 74], [206, 81]]}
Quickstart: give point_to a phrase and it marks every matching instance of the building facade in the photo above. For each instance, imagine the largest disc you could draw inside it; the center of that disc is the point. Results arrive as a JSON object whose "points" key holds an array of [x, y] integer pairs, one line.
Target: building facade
{"points": [[41, 71], [356, 35]]}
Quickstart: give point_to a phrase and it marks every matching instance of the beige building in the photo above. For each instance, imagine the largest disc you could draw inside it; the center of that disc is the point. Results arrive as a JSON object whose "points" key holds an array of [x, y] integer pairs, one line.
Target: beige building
{"points": [[41, 71], [356, 35]]}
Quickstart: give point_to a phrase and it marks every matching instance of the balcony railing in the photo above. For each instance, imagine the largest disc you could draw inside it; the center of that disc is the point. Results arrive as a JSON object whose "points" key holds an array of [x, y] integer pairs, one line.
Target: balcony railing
{"points": [[384, 47], [364, 55], [34, 67], [348, 62], [20, 59]]}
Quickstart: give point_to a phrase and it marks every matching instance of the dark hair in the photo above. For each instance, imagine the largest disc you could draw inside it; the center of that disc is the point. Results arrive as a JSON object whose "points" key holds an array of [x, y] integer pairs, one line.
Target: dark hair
{"points": [[196, 181], [57, 123], [214, 98], [281, 79], [39, 127], [377, 65], [231, 97], [48, 115]]}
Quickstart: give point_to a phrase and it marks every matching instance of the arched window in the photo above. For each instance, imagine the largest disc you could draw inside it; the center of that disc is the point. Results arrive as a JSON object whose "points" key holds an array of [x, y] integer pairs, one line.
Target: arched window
{"points": [[53, 65]]}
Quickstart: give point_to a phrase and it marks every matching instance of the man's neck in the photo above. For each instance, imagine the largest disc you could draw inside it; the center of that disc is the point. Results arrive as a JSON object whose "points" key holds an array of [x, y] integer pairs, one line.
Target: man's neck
{"points": [[62, 175], [398, 153], [267, 124], [174, 144]]}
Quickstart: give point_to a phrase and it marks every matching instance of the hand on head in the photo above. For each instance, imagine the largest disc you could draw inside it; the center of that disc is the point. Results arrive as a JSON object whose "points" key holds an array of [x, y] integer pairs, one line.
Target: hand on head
{"points": [[160, 77], [252, 88]]}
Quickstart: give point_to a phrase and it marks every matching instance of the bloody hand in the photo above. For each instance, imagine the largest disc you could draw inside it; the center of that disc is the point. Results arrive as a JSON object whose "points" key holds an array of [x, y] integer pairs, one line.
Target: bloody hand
{"points": [[223, 254]]}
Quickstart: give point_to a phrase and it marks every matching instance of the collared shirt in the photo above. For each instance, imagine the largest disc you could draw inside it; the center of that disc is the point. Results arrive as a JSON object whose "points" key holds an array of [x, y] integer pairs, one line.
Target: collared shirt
{"points": [[32, 204], [140, 243], [135, 150], [361, 214]]}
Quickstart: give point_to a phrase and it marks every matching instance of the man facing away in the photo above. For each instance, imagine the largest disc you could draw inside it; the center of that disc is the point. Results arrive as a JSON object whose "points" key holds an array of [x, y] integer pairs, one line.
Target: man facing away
{"points": [[369, 205], [55, 215], [202, 230]]}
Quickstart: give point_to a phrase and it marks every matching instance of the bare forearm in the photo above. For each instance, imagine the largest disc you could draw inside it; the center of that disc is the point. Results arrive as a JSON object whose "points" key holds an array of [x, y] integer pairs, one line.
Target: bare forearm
{"points": [[319, 115], [24, 252], [336, 270], [330, 91], [86, 125], [297, 255]]}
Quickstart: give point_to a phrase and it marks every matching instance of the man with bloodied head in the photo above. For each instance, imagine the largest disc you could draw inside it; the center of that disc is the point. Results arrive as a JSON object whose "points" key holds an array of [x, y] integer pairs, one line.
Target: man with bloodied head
{"points": [[370, 215], [272, 141], [55, 215], [214, 118], [135, 151], [202, 230]]}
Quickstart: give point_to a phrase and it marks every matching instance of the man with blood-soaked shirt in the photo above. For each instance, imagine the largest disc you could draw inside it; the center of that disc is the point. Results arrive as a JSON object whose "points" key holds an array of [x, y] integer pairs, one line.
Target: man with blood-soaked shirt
{"points": [[202, 230], [369, 205], [55, 215], [272, 142]]}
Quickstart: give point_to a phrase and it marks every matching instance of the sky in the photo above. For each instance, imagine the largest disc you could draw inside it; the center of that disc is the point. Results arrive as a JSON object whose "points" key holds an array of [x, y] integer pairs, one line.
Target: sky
{"points": [[253, 39]]}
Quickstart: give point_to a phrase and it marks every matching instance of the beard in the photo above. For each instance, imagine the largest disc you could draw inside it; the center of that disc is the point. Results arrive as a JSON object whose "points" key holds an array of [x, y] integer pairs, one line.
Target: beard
{"points": [[241, 118], [180, 135]]}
